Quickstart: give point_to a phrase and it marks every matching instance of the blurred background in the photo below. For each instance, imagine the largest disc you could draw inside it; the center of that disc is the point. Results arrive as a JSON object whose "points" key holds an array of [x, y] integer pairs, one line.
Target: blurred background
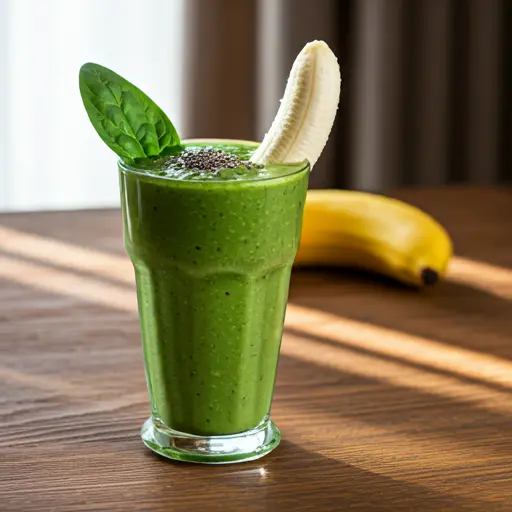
{"points": [[425, 95]]}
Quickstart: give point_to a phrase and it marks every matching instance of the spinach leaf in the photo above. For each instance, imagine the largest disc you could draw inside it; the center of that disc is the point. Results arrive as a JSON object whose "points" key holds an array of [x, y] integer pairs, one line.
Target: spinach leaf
{"points": [[127, 120]]}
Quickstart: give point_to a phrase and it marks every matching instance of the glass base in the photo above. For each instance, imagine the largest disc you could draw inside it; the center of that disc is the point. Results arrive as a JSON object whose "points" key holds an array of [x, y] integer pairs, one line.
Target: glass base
{"points": [[242, 447]]}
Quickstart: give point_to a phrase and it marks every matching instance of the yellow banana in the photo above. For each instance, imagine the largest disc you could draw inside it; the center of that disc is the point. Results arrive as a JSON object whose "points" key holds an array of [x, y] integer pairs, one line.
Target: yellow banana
{"points": [[358, 229]]}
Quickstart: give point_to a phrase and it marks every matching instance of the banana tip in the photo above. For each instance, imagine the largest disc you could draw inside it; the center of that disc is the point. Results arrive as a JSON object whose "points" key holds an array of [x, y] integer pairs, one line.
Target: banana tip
{"points": [[429, 277]]}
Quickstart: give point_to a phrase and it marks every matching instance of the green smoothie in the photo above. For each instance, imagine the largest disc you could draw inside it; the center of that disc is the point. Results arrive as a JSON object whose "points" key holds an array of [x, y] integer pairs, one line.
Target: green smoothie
{"points": [[212, 252]]}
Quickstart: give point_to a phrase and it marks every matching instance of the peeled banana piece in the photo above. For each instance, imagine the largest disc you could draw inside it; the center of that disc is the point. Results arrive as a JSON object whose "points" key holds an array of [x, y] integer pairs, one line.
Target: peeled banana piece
{"points": [[306, 115], [372, 232]]}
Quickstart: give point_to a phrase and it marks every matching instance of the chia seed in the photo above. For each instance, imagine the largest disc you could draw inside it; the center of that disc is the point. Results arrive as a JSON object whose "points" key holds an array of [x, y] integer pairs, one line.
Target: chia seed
{"points": [[207, 159]]}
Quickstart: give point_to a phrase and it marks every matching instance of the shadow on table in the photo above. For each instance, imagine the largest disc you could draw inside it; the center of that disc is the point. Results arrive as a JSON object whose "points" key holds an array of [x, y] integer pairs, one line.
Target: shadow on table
{"points": [[295, 479]]}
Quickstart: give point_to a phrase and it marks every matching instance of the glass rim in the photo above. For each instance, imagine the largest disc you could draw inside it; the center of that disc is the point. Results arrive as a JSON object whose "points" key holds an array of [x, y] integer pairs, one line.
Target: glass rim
{"points": [[140, 171]]}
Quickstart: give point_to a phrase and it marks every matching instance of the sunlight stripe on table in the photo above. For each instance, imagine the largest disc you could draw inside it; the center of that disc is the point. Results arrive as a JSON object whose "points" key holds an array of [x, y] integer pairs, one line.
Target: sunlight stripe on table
{"points": [[407, 347], [395, 373], [492, 279], [71, 256], [66, 283]]}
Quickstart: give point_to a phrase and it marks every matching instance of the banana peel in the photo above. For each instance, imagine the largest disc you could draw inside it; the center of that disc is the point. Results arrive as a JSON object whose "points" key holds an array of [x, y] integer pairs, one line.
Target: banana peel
{"points": [[372, 232]]}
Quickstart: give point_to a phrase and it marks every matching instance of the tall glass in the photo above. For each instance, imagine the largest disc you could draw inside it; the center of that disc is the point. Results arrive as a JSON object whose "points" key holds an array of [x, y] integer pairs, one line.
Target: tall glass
{"points": [[212, 264]]}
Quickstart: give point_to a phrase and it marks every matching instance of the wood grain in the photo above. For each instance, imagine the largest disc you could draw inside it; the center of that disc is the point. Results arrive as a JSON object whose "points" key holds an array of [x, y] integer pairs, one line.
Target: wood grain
{"points": [[367, 424]]}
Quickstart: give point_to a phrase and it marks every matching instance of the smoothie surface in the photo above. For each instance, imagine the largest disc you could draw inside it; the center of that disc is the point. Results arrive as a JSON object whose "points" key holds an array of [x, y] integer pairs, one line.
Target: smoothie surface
{"points": [[213, 161]]}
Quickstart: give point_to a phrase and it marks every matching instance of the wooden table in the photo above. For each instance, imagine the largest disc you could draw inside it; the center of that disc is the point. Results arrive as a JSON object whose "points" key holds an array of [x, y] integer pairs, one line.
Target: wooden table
{"points": [[388, 399]]}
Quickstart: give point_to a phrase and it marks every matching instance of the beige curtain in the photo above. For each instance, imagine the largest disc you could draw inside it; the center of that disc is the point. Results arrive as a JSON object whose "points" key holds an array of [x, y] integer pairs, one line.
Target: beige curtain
{"points": [[425, 93]]}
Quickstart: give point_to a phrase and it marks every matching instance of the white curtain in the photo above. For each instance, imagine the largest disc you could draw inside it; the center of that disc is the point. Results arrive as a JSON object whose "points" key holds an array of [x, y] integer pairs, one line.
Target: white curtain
{"points": [[50, 156]]}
